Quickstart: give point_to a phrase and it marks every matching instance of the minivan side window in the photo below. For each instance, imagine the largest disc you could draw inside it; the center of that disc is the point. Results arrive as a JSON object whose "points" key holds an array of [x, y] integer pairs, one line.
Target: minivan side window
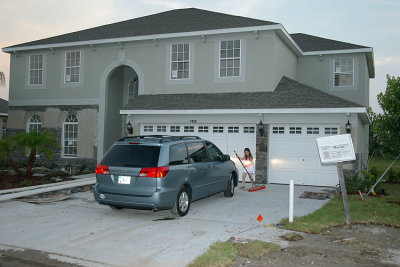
{"points": [[214, 153], [178, 154], [197, 152]]}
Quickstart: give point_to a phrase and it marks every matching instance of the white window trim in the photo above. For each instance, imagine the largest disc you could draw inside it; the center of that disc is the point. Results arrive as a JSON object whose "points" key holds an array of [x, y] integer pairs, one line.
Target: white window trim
{"points": [[219, 59], [63, 66], [63, 155], [29, 123], [167, 68], [28, 85], [33, 123], [217, 62], [170, 63], [334, 72], [42, 69]]}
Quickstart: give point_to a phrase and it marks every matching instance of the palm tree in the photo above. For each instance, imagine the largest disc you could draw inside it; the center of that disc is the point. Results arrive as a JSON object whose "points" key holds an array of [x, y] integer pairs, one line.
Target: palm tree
{"points": [[35, 141], [2, 78]]}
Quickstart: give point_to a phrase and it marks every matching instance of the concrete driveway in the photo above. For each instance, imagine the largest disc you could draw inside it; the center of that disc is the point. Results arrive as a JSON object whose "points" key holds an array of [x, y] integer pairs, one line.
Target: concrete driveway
{"points": [[80, 231]]}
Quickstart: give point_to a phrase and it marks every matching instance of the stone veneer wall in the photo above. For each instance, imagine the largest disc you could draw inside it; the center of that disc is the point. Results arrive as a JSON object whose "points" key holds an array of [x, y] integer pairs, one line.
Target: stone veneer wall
{"points": [[57, 160], [262, 156]]}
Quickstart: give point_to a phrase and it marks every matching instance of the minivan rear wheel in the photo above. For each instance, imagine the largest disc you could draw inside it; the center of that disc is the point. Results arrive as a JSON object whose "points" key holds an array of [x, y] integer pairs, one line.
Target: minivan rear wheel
{"points": [[182, 203], [230, 189]]}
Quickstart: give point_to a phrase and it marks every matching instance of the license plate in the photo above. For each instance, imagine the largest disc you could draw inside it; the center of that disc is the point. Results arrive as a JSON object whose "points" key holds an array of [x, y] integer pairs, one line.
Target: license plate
{"points": [[124, 179]]}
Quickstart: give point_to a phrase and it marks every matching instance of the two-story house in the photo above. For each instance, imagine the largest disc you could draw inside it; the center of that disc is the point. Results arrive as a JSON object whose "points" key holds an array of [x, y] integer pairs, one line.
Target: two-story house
{"points": [[237, 81]]}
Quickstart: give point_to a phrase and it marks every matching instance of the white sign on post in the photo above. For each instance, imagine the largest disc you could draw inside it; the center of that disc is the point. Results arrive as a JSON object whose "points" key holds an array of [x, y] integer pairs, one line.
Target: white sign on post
{"points": [[337, 148]]}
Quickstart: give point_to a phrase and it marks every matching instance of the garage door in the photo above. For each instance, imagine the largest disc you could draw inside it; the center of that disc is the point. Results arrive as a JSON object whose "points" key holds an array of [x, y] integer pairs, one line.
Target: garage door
{"points": [[293, 155], [228, 137]]}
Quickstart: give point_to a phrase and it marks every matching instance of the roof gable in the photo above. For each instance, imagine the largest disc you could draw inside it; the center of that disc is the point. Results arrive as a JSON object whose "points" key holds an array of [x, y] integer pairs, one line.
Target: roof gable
{"points": [[309, 43], [173, 21], [288, 94]]}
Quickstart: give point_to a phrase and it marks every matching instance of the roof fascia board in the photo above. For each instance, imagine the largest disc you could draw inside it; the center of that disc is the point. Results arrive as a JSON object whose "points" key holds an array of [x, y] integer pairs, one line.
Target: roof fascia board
{"points": [[344, 51], [246, 111], [289, 40], [146, 37], [54, 102]]}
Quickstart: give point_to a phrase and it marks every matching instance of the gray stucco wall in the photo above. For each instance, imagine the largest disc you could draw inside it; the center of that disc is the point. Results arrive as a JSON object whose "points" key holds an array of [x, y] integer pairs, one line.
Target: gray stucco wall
{"points": [[265, 58], [317, 71]]}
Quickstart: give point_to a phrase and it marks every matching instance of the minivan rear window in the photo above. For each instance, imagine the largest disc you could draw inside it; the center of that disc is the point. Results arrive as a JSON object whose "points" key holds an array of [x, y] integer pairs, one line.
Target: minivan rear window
{"points": [[132, 156]]}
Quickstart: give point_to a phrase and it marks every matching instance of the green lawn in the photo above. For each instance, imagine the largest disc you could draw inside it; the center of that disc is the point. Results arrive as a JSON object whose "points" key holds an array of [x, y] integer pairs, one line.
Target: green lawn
{"points": [[224, 253], [376, 210], [382, 164]]}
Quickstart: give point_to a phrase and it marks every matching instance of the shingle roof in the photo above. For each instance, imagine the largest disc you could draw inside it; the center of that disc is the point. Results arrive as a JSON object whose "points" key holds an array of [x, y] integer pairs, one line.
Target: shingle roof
{"points": [[3, 106], [174, 21], [288, 94], [309, 43]]}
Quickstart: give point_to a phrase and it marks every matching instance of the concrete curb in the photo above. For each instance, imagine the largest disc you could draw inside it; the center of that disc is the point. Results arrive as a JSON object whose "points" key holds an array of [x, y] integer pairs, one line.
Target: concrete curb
{"points": [[29, 191]]}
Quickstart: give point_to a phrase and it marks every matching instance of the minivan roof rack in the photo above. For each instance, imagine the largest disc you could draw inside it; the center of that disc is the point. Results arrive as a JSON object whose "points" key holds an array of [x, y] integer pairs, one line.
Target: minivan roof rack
{"points": [[163, 138]]}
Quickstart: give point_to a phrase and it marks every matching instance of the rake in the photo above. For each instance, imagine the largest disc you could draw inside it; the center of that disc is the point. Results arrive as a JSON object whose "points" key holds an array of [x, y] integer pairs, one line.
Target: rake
{"points": [[255, 187]]}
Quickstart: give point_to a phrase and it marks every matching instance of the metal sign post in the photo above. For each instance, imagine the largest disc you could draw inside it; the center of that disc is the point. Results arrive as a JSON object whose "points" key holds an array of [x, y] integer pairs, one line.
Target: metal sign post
{"points": [[338, 149]]}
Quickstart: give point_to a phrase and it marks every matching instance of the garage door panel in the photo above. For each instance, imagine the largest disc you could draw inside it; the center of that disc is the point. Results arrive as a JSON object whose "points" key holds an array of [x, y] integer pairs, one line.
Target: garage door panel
{"points": [[295, 156], [294, 147], [284, 177]]}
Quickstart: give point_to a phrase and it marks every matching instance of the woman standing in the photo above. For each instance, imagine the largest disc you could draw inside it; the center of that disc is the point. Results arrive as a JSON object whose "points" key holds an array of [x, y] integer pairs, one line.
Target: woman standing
{"points": [[247, 160]]}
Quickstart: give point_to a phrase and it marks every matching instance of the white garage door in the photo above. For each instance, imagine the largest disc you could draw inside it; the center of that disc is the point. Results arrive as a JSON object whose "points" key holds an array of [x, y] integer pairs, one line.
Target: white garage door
{"points": [[227, 137], [293, 155]]}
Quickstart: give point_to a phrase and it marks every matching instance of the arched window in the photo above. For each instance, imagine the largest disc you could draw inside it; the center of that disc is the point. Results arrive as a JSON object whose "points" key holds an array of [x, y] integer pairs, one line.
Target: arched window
{"points": [[70, 136], [34, 124], [133, 88]]}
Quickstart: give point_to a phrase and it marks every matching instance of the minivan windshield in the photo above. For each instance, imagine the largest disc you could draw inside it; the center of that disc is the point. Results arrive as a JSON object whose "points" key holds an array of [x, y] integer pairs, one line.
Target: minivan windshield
{"points": [[127, 155]]}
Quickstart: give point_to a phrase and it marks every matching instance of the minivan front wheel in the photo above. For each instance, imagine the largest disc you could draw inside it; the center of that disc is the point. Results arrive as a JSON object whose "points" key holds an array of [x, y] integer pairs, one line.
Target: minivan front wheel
{"points": [[182, 203]]}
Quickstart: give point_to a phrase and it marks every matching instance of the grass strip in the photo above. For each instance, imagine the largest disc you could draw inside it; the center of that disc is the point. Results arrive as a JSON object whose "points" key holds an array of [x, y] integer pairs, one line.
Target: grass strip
{"points": [[223, 254], [256, 249], [373, 210], [219, 254]]}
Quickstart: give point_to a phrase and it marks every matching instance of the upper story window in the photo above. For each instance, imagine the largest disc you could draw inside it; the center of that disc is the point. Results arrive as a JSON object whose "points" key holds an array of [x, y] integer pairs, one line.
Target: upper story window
{"points": [[72, 66], [36, 69], [343, 72], [34, 124], [229, 58], [70, 136], [180, 61]]}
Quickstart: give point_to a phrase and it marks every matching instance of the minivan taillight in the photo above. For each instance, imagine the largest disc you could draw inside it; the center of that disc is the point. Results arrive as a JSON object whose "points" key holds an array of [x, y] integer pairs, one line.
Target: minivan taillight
{"points": [[102, 169], [156, 172]]}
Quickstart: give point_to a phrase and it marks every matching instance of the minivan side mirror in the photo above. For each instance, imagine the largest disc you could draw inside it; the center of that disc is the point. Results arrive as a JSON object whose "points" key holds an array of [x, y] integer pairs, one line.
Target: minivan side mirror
{"points": [[227, 157]]}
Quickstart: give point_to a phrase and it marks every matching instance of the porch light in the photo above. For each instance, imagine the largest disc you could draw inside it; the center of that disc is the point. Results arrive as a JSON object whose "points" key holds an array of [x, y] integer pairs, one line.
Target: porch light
{"points": [[348, 127], [129, 128], [260, 127]]}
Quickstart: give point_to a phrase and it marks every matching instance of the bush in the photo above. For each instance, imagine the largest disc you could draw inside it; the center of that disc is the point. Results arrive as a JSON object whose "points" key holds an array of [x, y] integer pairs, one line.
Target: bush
{"points": [[374, 171], [369, 180], [355, 183], [393, 176], [83, 168]]}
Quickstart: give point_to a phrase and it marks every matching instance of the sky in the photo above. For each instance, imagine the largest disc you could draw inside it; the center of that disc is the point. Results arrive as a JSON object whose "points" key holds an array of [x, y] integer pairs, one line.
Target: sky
{"points": [[372, 23]]}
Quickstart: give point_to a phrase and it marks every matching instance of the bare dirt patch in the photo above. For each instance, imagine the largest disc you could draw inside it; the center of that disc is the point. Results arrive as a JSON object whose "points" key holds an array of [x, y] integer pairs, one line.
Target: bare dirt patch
{"points": [[362, 245]]}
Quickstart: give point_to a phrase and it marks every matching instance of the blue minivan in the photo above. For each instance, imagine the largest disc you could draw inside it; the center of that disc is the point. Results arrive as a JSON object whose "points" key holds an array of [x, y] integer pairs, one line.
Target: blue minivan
{"points": [[163, 172]]}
